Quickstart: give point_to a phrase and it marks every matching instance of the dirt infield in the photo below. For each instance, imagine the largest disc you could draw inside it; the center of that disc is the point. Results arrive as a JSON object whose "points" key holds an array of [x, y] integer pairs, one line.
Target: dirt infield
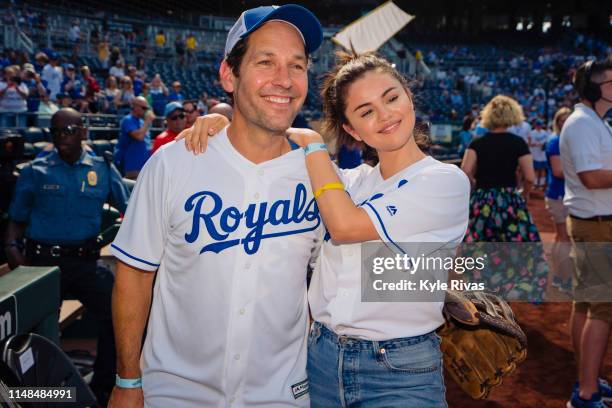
{"points": [[546, 377]]}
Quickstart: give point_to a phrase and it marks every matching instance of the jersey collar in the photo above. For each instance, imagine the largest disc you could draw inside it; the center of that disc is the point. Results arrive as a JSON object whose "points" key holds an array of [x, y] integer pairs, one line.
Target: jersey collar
{"points": [[587, 110], [55, 160]]}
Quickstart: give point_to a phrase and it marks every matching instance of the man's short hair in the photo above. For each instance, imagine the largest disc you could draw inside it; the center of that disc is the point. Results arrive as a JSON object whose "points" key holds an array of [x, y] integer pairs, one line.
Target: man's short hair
{"points": [[586, 77], [194, 102], [234, 58]]}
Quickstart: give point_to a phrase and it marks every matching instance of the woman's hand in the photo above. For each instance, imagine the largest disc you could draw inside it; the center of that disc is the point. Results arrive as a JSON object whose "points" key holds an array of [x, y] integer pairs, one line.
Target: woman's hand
{"points": [[303, 137], [196, 137]]}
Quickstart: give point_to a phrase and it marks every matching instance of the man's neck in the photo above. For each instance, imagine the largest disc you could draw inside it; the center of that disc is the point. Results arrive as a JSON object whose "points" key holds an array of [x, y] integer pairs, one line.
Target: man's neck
{"points": [[600, 107], [73, 158], [254, 143]]}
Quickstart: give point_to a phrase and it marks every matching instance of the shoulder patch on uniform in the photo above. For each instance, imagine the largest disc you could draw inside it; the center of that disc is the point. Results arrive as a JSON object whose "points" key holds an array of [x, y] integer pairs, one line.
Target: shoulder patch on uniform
{"points": [[300, 389]]}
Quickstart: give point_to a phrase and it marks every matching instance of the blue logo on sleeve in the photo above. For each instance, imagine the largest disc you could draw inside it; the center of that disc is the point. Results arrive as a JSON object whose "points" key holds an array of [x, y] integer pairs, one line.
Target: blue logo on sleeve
{"points": [[392, 209], [220, 222]]}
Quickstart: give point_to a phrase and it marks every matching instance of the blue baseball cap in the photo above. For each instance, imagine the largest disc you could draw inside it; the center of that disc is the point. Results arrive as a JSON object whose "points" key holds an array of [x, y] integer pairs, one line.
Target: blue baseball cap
{"points": [[299, 17], [171, 107]]}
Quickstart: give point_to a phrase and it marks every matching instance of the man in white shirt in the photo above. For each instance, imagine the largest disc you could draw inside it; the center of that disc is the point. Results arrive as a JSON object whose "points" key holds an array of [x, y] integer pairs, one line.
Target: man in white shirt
{"points": [[229, 235], [586, 155], [537, 140], [53, 75]]}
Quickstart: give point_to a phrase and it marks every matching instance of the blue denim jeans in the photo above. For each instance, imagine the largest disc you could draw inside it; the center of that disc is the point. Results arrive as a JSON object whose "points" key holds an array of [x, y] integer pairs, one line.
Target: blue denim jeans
{"points": [[348, 372]]}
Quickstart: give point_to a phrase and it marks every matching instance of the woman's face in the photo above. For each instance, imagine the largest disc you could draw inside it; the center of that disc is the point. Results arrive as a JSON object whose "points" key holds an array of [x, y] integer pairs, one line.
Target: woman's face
{"points": [[561, 120], [379, 111]]}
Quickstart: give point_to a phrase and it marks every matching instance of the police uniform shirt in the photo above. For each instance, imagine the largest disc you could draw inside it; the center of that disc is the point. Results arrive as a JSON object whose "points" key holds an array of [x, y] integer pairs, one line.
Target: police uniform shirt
{"points": [[231, 241], [62, 203], [426, 202]]}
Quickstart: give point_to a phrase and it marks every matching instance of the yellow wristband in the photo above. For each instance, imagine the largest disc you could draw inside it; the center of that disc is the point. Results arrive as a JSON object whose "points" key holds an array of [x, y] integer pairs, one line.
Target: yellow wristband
{"points": [[328, 186]]}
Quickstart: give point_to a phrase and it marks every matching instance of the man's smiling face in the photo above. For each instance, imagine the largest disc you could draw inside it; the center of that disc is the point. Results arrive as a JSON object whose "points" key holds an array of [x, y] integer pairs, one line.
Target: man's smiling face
{"points": [[273, 81]]}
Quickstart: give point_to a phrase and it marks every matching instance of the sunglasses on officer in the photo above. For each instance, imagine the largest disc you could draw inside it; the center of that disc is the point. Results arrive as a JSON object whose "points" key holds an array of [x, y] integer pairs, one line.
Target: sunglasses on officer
{"points": [[70, 130], [175, 117]]}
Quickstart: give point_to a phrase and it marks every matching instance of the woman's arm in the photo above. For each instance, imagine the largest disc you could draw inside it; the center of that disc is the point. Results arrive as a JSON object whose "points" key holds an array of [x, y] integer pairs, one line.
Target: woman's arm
{"points": [[345, 222], [196, 137], [526, 166], [468, 165], [555, 164]]}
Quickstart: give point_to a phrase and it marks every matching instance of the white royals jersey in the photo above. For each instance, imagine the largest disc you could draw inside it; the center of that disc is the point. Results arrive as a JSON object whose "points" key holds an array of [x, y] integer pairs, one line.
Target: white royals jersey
{"points": [[425, 203], [230, 241]]}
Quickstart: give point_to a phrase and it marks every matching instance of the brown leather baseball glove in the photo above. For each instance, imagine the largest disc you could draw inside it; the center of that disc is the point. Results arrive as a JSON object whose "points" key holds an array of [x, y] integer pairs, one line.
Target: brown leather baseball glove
{"points": [[481, 341]]}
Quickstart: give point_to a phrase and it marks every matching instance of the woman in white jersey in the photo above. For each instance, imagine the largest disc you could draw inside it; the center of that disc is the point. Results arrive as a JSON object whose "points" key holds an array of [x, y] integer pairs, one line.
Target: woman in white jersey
{"points": [[375, 354]]}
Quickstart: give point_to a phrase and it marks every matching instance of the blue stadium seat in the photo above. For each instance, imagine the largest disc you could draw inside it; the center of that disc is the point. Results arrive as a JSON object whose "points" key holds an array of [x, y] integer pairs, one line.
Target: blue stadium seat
{"points": [[101, 146], [40, 146], [34, 134]]}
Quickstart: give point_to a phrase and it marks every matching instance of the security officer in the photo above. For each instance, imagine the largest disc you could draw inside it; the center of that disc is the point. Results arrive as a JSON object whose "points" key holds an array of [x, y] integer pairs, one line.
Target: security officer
{"points": [[57, 206]]}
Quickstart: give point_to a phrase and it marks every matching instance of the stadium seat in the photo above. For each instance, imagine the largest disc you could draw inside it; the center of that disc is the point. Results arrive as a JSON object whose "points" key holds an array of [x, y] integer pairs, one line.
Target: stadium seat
{"points": [[40, 146], [101, 146], [34, 134], [38, 362]]}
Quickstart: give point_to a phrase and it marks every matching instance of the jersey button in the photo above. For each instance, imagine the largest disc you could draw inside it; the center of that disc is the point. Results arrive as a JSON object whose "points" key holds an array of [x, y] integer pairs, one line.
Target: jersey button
{"points": [[247, 265], [260, 172], [242, 311], [232, 399], [237, 357], [256, 196]]}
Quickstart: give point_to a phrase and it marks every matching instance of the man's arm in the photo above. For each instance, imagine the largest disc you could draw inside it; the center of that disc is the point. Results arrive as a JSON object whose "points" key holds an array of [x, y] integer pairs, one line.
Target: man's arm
{"points": [[140, 133], [131, 305], [14, 233], [596, 179]]}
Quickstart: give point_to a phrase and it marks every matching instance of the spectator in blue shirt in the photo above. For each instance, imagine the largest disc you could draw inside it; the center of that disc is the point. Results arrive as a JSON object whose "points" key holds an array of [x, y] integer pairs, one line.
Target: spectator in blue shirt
{"points": [[134, 144], [73, 84], [465, 136], [561, 266], [137, 83], [175, 94], [159, 95]]}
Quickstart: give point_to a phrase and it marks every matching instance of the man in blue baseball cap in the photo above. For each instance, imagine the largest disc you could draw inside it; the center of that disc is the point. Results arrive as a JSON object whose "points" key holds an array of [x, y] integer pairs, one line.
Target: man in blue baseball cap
{"points": [[229, 235], [175, 123]]}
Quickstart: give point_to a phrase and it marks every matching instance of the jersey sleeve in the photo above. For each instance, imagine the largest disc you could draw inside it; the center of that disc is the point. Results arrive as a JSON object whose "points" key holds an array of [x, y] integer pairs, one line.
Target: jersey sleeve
{"points": [[584, 148], [351, 178], [23, 196], [140, 240], [522, 148], [552, 147], [128, 126], [474, 145], [434, 200]]}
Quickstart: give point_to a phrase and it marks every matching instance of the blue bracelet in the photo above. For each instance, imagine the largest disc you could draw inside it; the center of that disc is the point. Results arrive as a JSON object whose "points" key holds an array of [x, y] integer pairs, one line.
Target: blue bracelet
{"points": [[314, 147], [128, 382]]}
